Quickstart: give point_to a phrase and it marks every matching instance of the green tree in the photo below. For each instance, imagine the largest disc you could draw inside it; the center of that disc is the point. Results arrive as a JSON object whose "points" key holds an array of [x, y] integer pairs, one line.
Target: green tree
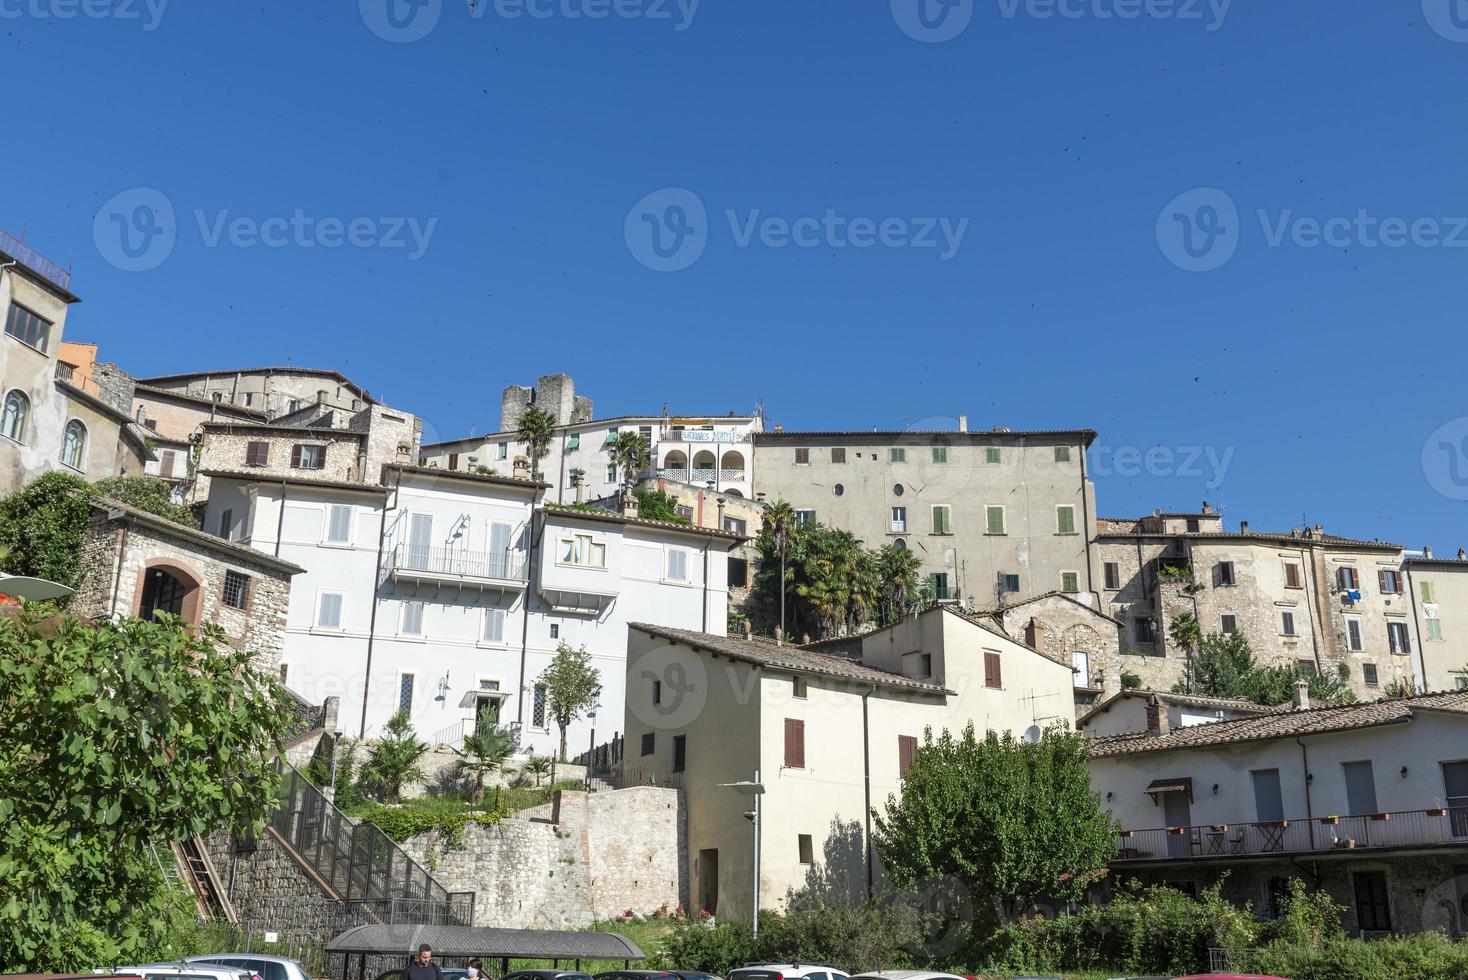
{"points": [[1185, 632], [537, 767], [572, 686], [897, 571], [656, 505], [394, 759], [1015, 821], [536, 429], [631, 454], [1224, 667], [147, 493], [117, 741], [484, 752]]}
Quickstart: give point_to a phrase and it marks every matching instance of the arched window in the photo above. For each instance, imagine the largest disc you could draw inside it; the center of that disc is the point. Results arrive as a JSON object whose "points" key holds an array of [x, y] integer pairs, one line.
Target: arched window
{"points": [[74, 446], [12, 421]]}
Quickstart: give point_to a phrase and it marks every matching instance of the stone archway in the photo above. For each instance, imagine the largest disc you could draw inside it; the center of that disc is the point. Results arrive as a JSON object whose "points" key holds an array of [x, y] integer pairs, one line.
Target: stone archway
{"points": [[167, 586]]}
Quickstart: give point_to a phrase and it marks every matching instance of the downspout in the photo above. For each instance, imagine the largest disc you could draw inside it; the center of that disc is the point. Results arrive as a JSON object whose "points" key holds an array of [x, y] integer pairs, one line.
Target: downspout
{"points": [[280, 521], [372, 621], [1421, 653], [708, 543], [1315, 621], [866, 780], [117, 579], [1086, 530], [530, 572], [1309, 810]]}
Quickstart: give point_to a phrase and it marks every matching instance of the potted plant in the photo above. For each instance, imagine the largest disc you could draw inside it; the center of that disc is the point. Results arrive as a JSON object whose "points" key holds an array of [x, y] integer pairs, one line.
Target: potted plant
{"points": [[1438, 811]]}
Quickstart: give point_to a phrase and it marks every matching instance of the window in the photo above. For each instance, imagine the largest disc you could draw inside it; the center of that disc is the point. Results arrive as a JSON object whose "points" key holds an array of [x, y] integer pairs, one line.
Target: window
{"points": [[680, 752], [405, 692], [1429, 592], [736, 525], [226, 523], [678, 565], [1062, 454], [574, 442], [1292, 575], [940, 454], [1146, 629], [657, 692], [925, 665], [1228, 623], [1008, 582], [305, 457], [1225, 573], [1070, 582], [991, 454], [802, 457], [257, 453], [1065, 519], [285, 670], [993, 519], [939, 581], [74, 445], [1193, 525], [906, 752], [1305, 668], [1389, 580], [897, 455], [1353, 633], [1287, 623], [1268, 800], [412, 619], [839, 489], [236, 589], [1347, 579], [1112, 572], [555, 631], [993, 676], [942, 519], [805, 517], [1435, 630], [1373, 908], [27, 327], [611, 472], [453, 461], [1461, 682], [329, 611], [12, 422], [738, 573], [794, 743], [798, 688], [1397, 637], [649, 743], [583, 550], [537, 707], [494, 625], [1368, 671], [502, 451], [838, 455], [339, 524]]}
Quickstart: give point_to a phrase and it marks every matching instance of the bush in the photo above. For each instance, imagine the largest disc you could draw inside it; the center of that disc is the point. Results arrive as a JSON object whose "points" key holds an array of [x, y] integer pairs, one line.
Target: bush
{"points": [[417, 816], [1424, 956]]}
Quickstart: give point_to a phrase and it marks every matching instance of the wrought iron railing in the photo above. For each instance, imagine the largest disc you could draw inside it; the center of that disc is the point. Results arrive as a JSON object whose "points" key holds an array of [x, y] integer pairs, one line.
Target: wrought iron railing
{"points": [[1408, 828], [34, 260], [507, 565]]}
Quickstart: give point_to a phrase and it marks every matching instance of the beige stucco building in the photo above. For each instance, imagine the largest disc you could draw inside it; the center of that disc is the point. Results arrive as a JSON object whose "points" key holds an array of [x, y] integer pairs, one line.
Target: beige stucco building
{"points": [[830, 737], [276, 392], [1439, 591]]}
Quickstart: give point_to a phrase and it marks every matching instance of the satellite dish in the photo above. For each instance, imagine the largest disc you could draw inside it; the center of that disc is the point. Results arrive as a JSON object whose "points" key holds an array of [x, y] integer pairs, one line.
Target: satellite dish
{"points": [[32, 589], [1032, 734]]}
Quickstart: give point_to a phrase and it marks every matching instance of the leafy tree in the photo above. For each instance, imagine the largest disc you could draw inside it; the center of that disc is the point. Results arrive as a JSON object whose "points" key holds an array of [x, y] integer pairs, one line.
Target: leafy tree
{"points": [[572, 686], [394, 759], [1185, 632], [147, 493], [1224, 667], [537, 767], [655, 505], [116, 741], [484, 753], [537, 427], [1013, 820], [631, 455]]}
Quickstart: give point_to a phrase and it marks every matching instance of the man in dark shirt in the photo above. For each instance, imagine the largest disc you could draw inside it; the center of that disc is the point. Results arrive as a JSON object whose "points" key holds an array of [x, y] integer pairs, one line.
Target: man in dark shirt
{"points": [[422, 967]]}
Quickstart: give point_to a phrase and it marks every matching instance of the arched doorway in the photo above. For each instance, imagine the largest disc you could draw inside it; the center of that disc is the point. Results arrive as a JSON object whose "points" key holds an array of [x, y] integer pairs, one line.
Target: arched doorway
{"points": [[704, 467], [731, 466], [171, 590], [675, 466]]}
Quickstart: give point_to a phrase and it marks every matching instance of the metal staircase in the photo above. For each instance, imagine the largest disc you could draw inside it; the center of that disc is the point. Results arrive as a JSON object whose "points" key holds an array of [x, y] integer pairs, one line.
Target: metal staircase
{"points": [[197, 871]]}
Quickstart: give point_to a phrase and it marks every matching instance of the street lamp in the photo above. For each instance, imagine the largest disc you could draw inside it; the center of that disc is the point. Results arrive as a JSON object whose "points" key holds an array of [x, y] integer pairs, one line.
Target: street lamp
{"points": [[754, 789], [591, 745], [336, 738]]}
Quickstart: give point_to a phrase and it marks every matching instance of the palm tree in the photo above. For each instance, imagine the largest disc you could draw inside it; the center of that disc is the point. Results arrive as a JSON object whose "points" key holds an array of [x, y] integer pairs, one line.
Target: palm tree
{"points": [[484, 752], [779, 524], [538, 767], [536, 430], [631, 455], [394, 760]]}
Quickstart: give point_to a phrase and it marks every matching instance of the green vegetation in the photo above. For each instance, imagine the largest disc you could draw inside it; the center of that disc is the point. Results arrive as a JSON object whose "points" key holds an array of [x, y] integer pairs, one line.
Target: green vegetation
{"points": [[655, 505], [484, 753], [572, 686], [147, 493], [117, 741], [537, 428], [394, 760], [447, 814], [1131, 682], [631, 455], [1224, 667]]}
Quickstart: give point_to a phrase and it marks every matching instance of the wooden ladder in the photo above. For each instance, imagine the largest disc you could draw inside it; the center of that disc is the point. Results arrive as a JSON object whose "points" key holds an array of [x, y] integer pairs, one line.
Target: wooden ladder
{"points": [[198, 871]]}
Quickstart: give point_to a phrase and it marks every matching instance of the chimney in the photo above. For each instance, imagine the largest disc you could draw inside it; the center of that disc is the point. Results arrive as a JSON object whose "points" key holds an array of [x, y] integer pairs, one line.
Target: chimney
{"points": [[744, 628], [779, 637], [521, 468], [1243, 527], [1427, 552], [720, 525], [628, 501], [963, 423], [1157, 723], [1462, 555], [576, 478], [1302, 695], [1035, 634], [1207, 509]]}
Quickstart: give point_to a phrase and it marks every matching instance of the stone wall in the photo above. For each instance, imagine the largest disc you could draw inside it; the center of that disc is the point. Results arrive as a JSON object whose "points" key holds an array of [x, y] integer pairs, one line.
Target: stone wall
{"points": [[225, 447], [587, 857], [271, 890]]}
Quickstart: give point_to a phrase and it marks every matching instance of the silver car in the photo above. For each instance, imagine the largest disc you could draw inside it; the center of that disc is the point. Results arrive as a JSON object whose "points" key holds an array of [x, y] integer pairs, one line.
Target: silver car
{"points": [[266, 967], [186, 971]]}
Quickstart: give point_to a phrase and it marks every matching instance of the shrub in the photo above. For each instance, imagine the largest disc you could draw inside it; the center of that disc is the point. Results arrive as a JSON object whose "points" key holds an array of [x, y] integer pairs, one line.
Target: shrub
{"points": [[1130, 682], [1424, 956]]}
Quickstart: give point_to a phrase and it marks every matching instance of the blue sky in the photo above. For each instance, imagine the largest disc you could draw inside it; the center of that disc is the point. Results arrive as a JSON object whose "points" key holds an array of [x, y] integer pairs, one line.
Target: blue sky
{"points": [[1073, 160]]}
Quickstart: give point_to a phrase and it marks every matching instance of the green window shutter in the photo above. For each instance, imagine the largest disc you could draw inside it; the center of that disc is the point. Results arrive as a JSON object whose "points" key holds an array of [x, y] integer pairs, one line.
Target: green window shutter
{"points": [[940, 454], [1434, 629], [1428, 595], [991, 454], [1066, 520], [940, 520], [898, 455], [994, 520], [1068, 582]]}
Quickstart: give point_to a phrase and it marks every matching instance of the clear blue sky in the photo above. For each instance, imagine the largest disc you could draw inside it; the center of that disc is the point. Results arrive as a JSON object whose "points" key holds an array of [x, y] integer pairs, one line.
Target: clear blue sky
{"points": [[1060, 140]]}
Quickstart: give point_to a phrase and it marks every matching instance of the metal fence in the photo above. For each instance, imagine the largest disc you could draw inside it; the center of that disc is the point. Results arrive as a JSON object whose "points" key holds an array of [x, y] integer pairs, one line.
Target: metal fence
{"points": [[28, 256], [1407, 828], [507, 565]]}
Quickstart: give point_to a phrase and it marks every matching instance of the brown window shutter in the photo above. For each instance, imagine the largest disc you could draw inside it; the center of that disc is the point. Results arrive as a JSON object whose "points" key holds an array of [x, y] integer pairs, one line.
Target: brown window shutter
{"points": [[1380, 581], [906, 752], [992, 676], [794, 743], [296, 457]]}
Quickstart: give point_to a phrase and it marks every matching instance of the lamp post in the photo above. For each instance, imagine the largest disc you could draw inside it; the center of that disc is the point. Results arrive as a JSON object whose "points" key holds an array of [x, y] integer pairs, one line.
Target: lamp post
{"points": [[754, 789], [336, 738], [591, 744]]}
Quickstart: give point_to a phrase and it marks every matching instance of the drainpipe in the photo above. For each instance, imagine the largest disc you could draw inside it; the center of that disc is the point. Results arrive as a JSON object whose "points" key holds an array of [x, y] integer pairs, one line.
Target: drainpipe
{"points": [[530, 574], [1315, 621], [1421, 654], [1086, 530], [280, 521], [372, 621], [117, 580], [866, 780], [1309, 810], [708, 543]]}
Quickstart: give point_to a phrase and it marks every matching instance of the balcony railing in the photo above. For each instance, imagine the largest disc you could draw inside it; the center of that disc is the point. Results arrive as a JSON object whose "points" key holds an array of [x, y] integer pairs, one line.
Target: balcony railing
{"points": [[34, 260], [456, 563], [1409, 828]]}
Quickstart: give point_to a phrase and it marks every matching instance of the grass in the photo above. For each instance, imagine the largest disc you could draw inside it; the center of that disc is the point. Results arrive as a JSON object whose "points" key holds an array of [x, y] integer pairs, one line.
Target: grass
{"points": [[450, 814]]}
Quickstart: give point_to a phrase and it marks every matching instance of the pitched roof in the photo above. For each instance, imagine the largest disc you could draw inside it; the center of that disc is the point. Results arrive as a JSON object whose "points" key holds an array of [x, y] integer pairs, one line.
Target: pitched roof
{"points": [[153, 392], [1190, 700], [972, 435], [1052, 594], [312, 372], [514, 435], [116, 508], [607, 517], [797, 660], [275, 479], [504, 481], [247, 425], [986, 621], [1288, 724], [1273, 537]]}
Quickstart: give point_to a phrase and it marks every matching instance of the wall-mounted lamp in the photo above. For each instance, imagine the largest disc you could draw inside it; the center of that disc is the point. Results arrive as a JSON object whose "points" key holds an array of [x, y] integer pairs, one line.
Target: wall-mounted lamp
{"points": [[1309, 778], [1404, 772], [1215, 789], [1108, 796]]}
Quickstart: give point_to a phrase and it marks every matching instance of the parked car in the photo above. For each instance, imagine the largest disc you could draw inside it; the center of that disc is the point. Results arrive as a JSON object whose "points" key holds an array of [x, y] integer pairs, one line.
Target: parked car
{"points": [[908, 975], [788, 971], [452, 973], [695, 975], [1227, 976], [185, 971], [266, 967], [547, 975], [638, 975]]}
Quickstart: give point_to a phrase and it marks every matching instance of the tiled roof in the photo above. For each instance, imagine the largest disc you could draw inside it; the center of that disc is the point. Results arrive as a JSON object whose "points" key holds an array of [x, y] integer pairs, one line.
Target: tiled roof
{"points": [[257, 476], [116, 508], [249, 425], [312, 372], [222, 406], [1289, 724], [986, 621], [973, 435], [504, 481], [657, 420], [1190, 700], [1285, 537], [607, 517], [768, 653], [1438, 562]]}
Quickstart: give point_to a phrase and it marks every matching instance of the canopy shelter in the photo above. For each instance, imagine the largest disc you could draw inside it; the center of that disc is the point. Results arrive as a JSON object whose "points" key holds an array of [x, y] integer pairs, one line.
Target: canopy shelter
{"points": [[1180, 784], [389, 946]]}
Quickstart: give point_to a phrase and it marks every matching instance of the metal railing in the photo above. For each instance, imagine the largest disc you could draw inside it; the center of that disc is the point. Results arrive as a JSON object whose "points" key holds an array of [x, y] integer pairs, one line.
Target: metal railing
{"points": [[647, 777], [1408, 828], [360, 862], [508, 565], [34, 260]]}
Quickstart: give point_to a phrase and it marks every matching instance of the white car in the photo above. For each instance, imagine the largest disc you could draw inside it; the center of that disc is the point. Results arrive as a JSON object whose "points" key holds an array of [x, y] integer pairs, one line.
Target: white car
{"points": [[788, 971], [908, 975], [186, 971], [263, 966]]}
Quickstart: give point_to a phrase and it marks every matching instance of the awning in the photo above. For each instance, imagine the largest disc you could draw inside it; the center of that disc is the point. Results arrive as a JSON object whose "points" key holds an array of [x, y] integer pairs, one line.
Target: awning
{"points": [[461, 941], [1181, 784]]}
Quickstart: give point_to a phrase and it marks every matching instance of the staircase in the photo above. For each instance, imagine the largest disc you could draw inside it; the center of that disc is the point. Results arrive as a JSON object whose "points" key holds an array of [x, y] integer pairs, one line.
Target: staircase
{"points": [[362, 865], [197, 871]]}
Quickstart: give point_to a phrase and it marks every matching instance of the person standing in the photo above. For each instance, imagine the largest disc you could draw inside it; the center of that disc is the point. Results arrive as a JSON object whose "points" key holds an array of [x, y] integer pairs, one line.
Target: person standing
{"points": [[422, 966]]}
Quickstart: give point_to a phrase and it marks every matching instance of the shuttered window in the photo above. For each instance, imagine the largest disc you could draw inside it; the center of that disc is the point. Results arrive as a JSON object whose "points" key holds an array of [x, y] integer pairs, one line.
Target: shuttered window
{"points": [[942, 520], [906, 752], [1435, 630], [339, 528], [1292, 575], [993, 676], [494, 625], [1065, 519], [1346, 576], [838, 455], [1287, 625], [1388, 582], [994, 520], [680, 752], [802, 457], [1062, 454], [1225, 573], [257, 453], [1070, 582], [308, 457], [940, 454], [1429, 592], [1113, 575], [649, 743], [794, 743], [991, 454]]}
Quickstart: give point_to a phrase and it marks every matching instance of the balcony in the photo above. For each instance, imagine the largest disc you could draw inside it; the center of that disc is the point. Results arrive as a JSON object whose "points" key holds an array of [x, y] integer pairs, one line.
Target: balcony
{"points": [[33, 260], [501, 572], [702, 435], [1340, 836]]}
